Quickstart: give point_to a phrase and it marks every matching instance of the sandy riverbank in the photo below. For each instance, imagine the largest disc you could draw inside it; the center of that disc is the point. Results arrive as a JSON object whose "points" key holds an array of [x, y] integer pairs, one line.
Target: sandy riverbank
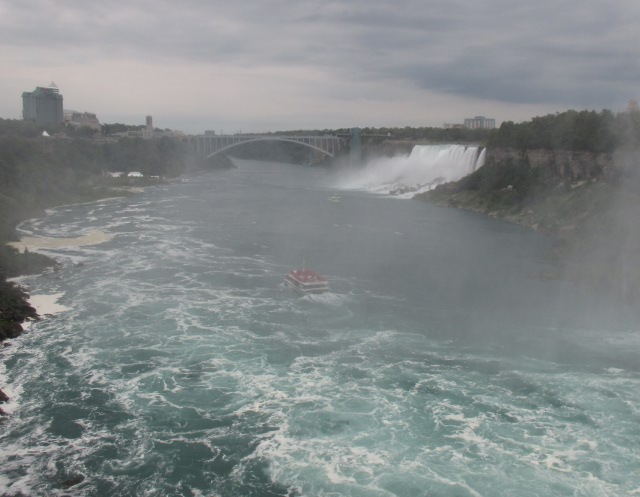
{"points": [[34, 243]]}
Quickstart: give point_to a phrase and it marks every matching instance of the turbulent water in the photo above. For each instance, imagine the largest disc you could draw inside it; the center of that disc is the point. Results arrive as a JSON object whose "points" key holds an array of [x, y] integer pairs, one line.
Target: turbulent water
{"points": [[438, 365]]}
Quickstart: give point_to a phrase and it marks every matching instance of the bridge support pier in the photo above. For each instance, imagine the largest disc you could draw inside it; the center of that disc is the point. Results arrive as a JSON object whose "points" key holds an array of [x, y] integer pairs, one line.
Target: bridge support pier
{"points": [[356, 147]]}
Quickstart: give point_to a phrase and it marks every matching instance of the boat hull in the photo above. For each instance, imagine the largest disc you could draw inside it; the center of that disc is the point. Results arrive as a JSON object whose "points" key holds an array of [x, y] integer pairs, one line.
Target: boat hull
{"points": [[306, 281]]}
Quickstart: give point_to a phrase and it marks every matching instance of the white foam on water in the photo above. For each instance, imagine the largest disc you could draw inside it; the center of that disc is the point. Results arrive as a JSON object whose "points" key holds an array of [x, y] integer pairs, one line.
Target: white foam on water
{"points": [[327, 298], [13, 391], [47, 305], [188, 334]]}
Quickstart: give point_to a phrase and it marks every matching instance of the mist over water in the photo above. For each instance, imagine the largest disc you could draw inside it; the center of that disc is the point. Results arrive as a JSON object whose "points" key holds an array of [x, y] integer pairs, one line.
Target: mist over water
{"points": [[425, 168], [438, 364]]}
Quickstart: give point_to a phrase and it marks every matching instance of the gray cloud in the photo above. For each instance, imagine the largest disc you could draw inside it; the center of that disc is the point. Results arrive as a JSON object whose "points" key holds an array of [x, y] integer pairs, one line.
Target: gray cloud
{"points": [[547, 53]]}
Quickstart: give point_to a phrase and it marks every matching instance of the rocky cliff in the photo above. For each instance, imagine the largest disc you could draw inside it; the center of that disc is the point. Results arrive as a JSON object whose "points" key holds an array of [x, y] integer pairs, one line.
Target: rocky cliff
{"points": [[563, 164], [542, 189]]}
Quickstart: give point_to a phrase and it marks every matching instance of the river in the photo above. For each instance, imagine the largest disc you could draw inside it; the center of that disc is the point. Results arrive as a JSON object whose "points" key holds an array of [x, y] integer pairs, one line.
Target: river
{"points": [[439, 364]]}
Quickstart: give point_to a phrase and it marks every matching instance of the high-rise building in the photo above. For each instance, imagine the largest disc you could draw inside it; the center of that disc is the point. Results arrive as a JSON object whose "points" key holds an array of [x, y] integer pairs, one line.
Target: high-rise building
{"points": [[479, 122], [43, 105]]}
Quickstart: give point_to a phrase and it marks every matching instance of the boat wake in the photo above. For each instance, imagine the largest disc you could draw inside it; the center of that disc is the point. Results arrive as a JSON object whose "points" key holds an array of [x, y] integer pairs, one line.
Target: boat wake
{"points": [[327, 298]]}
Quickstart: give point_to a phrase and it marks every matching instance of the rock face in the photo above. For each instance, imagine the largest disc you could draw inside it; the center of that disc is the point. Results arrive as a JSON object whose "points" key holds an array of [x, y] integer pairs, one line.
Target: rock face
{"points": [[3, 398], [72, 482], [9, 329], [551, 190], [564, 164], [14, 309]]}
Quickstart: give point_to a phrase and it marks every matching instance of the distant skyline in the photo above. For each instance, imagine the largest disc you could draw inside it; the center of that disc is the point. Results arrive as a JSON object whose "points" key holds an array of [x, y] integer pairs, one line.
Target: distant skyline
{"points": [[272, 65]]}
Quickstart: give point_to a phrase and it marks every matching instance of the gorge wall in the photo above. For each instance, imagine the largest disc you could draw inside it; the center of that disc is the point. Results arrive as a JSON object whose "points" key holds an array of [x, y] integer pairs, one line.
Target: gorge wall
{"points": [[562, 164], [550, 190]]}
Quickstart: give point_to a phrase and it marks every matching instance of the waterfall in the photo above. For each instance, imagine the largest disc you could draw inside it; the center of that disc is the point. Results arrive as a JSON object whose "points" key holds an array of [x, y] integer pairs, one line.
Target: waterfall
{"points": [[426, 167]]}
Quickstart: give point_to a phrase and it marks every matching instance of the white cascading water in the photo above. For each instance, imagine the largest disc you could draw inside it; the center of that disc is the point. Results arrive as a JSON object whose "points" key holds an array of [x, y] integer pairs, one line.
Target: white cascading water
{"points": [[425, 168]]}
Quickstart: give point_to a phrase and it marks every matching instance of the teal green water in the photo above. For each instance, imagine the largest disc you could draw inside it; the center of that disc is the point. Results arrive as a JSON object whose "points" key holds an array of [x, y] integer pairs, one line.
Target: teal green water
{"points": [[436, 366]]}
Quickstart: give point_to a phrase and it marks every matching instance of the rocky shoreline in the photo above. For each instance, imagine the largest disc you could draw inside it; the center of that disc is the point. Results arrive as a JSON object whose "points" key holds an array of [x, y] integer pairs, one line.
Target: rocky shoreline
{"points": [[15, 310], [17, 258], [20, 257], [3, 398]]}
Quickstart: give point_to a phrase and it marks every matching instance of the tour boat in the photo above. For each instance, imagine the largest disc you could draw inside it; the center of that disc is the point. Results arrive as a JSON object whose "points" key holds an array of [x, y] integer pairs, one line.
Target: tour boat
{"points": [[306, 281]]}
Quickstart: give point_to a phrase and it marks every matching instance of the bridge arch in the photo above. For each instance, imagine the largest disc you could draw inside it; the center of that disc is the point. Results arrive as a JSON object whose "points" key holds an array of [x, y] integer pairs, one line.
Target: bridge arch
{"points": [[269, 138], [211, 145]]}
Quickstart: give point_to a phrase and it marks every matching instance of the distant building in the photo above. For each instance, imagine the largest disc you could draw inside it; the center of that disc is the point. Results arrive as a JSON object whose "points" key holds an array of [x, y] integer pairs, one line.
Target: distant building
{"points": [[75, 118], [43, 105], [633, 106], [147, 132], [479, 122]]}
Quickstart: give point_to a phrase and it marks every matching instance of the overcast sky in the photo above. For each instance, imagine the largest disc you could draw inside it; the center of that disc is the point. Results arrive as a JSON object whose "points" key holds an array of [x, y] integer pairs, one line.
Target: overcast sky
{"points": [[268, 65]]}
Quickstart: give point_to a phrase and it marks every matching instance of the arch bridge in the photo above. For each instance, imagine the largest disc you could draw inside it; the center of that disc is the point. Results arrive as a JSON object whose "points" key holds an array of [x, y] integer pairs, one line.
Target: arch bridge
{"points": [[210, 145]]}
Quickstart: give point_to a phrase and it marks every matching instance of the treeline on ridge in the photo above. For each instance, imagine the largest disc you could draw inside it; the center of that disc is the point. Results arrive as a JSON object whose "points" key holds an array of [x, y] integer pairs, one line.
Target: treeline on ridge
{"points": [[421, 133], [590, 131], [586, 130]]}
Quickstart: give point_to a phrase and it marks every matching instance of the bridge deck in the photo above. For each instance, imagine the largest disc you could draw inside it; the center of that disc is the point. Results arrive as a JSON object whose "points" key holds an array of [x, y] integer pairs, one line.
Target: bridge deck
{"points": [[210, 145]]}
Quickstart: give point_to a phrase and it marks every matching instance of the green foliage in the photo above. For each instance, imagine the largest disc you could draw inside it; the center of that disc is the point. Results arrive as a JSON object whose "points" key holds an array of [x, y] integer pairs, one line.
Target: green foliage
{"points": [[14, 263], [505, 183], [81, 131], [571, 130], [13, 128], [110, 129], [443, 135], [378, 135]]}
